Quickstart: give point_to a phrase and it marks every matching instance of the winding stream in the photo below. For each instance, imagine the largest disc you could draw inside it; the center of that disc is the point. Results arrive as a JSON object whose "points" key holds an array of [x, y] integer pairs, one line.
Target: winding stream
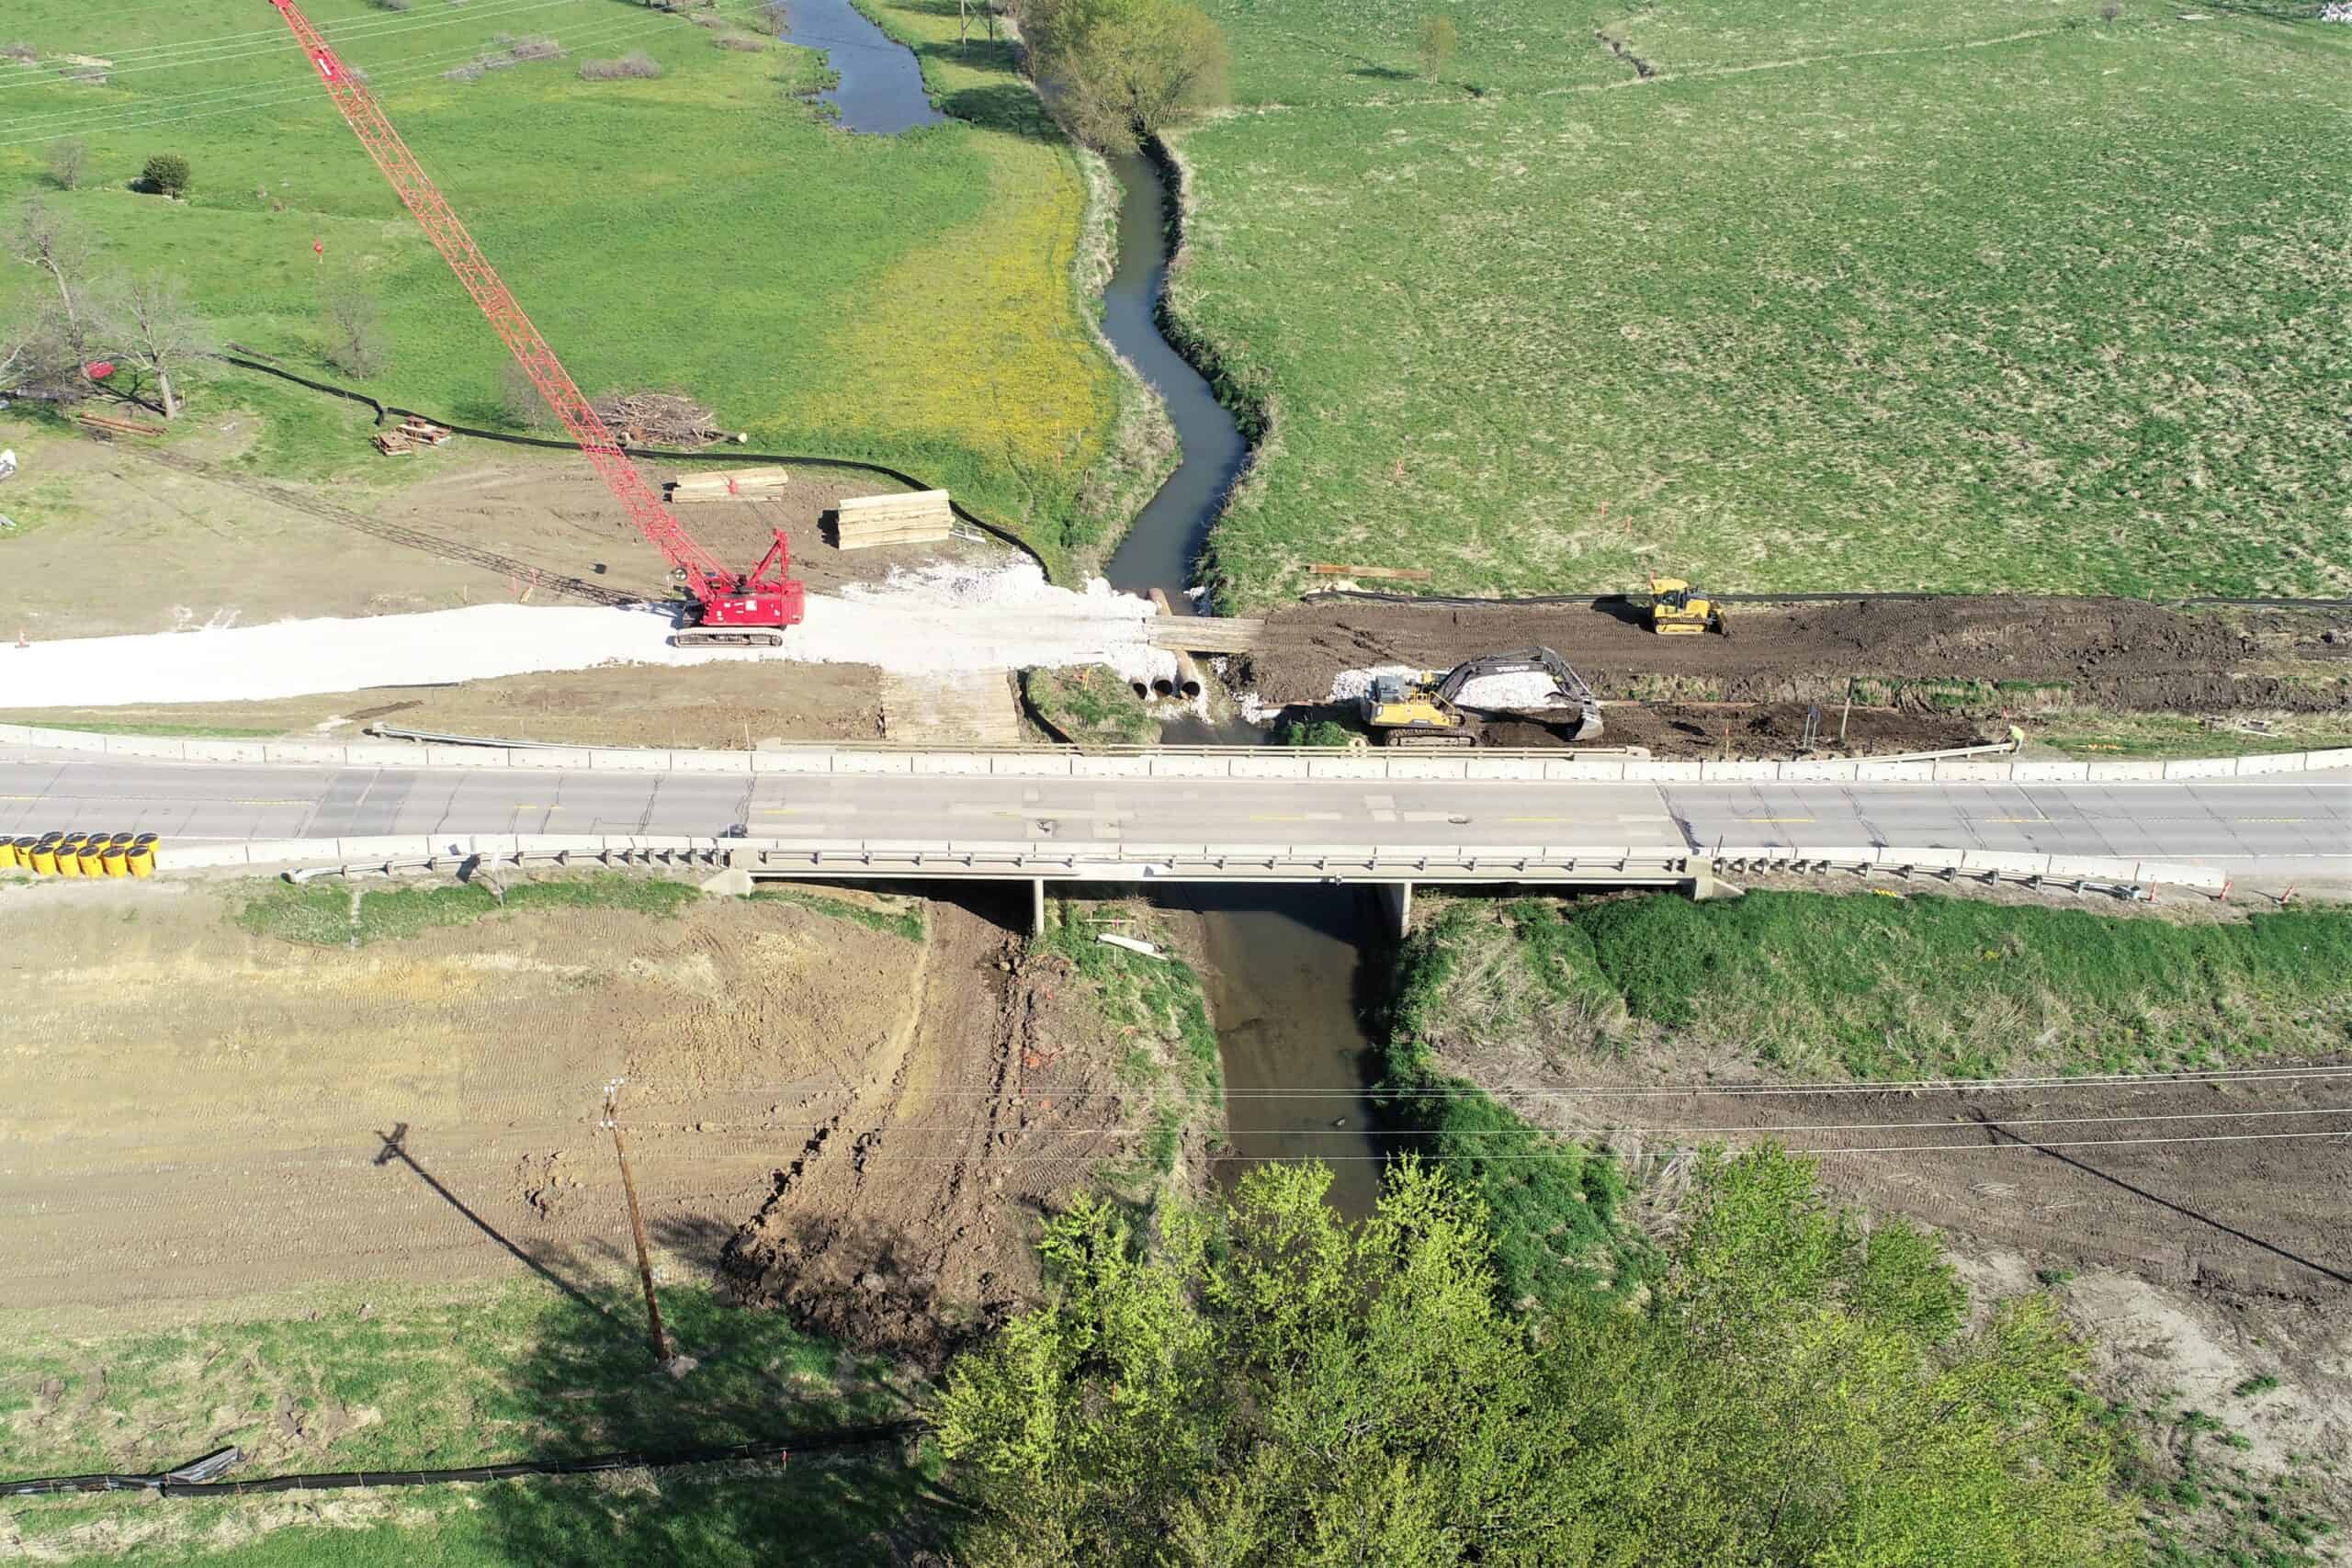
{"points": [[1287, 975], [1286, 964]]}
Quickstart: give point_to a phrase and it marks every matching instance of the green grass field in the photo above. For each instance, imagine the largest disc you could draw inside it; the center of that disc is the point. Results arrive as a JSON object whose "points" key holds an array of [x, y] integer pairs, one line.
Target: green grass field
{"points": [[446, 1379], [908, 300], [1997, 295], [1882, 987]]}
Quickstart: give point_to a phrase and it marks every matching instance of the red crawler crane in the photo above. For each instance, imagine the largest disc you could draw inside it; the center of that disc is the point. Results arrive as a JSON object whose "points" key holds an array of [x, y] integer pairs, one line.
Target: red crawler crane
{"points": [[734, 609]]}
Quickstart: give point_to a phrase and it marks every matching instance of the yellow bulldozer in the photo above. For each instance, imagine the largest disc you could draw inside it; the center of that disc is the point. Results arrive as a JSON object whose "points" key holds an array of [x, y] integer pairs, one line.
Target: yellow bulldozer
{"points": [[1677, 609]]}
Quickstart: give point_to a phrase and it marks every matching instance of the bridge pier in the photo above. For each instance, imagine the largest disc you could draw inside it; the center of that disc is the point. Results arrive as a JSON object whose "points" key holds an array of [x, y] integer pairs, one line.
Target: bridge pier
{"points": [[1397, 898], [1036, 906]]}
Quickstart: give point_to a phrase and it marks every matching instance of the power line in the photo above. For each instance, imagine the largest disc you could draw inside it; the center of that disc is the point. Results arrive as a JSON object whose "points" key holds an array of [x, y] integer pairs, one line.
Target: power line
{"points": [[273, 98], [196, 55]]}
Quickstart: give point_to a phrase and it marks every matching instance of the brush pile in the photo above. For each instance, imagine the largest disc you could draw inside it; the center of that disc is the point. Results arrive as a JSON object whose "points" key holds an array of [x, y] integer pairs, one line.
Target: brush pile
{"points": [[658, 419]]}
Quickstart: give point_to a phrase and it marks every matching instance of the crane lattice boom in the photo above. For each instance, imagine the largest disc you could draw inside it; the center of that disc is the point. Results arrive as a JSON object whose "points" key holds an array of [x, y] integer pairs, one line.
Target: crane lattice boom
{"points": [[761, 597]]}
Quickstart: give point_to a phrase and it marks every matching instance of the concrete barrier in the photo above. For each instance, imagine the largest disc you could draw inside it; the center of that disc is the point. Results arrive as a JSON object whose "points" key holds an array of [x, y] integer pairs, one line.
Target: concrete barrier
{"points": [[548, 759], [466, 757], [2337, 757], [386, 848], [155, 746], [1972, 772], [792, 761], [1513, 768], [2105, 867], [952, 763], [1031, 764], [1896, 772], [1592, 769], [382, 754], [2278, 763], [1085, 767], [1818, 771], [621, 760], [1727, 773], [239, 751], [1919, 858], [1347, 767], [302, 754], [1183, 765], [2049, 773], [1999, 861], [874, 763], [711, 761], [2201, 768], [1279, 766], [2197, 878], [1662, 773], [1413, 769], [2124, 772]]}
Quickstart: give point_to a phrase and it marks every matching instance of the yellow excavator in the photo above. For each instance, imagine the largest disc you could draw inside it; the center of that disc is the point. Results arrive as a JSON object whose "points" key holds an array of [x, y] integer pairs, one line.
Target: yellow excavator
{"points": [[1677, 609], [1430, 708]]}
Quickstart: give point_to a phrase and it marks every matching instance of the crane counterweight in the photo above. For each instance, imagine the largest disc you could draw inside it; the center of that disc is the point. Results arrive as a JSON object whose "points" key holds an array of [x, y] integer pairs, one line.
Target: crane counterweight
{"points": [[731, 608]]}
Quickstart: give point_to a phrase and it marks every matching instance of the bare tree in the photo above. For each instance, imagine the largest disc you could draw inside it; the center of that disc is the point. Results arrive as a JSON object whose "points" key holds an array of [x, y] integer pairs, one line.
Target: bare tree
{"points": [[67, 161], [354, 327], [46, 239], [159, 330], [35, 359]]}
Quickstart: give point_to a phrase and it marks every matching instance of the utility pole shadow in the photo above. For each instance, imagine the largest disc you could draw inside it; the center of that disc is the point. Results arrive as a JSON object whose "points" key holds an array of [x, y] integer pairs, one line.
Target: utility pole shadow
{"points": [[395, 1147], [2001, 1132]]}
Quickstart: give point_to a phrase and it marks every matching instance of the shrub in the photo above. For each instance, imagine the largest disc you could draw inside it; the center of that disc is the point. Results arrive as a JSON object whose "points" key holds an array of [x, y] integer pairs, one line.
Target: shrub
{"points": [[535, 48], [67, 160], [747, 43], [640, 64], [168, 175], [22, 53], [393, 5]]}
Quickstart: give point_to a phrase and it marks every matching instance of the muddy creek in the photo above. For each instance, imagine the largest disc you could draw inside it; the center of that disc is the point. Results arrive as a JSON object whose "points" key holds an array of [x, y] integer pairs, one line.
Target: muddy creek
{"points": [[1287, 973]]}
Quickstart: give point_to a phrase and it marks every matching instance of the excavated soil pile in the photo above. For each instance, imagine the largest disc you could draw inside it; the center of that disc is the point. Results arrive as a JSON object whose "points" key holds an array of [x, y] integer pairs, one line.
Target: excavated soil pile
{"points": [[2116, 653], [905, 1223]]}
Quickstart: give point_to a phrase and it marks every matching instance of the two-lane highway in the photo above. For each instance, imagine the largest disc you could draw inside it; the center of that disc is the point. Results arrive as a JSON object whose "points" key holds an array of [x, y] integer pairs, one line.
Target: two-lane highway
{"points": [[2287, 825]]}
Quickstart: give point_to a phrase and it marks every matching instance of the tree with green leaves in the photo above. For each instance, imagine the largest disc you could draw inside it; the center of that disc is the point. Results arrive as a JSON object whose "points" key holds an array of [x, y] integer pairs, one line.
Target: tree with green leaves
{"points": [[167, 174], [1121, 71], [1259, 1382]]}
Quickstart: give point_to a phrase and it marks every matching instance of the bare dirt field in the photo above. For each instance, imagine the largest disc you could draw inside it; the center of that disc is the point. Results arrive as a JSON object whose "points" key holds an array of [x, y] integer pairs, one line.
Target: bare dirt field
{"points": [[144, 541], [811, 1092], [2116, 653], [264, 1166]]}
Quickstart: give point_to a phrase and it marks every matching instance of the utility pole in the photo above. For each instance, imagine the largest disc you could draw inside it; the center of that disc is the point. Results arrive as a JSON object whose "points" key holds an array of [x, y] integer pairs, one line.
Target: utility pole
{"points": [[654, 1331]]}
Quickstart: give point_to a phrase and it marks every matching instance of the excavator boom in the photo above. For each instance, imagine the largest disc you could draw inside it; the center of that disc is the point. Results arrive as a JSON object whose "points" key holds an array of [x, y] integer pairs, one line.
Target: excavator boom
{"points": [[760, 598]]}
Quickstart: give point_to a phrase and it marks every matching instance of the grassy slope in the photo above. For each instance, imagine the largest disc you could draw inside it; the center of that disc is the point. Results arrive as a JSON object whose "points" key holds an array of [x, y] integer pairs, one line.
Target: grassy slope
{"points": [[453, 1379], [904, 298], [1836, 301], [1882, 988]]}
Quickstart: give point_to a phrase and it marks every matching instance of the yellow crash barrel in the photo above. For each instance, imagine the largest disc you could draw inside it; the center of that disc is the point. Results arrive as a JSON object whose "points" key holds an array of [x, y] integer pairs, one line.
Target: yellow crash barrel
{"points": [[69, 855], [93, 857], [139, 860], [115, 862]]}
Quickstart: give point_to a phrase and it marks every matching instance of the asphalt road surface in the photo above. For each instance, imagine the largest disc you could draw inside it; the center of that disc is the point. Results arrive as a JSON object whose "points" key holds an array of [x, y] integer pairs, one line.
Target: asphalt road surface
{"points": [[2285, 825]]}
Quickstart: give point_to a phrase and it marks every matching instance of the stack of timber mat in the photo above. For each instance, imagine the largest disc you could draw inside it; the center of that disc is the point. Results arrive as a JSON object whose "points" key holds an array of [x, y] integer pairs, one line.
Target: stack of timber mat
{"points": [[916, 517], [102, 428], [728, 482]]}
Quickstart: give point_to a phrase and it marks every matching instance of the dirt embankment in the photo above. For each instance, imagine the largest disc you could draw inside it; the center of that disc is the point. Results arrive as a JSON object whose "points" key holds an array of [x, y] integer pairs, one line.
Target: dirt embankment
{"points": [[2112, 653], [907, 1218]]}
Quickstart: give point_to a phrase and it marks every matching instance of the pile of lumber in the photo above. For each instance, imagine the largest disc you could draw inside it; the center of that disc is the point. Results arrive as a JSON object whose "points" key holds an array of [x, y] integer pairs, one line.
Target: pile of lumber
{"points": [[720, 484], [424, 431], [658, 419], [100, 425], [916, 517]]}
